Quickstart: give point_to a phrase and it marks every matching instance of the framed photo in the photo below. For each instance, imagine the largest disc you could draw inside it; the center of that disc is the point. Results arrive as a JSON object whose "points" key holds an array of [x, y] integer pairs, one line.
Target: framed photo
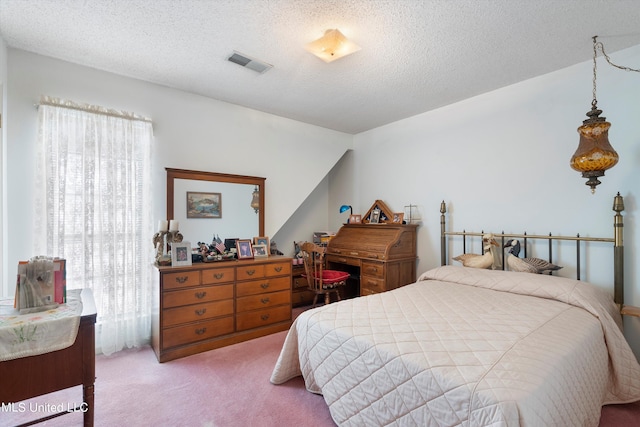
{"points": [[180, 254], [230, 243], [260, 251], [375, 216], [204, 205], [355, 219], [262, 240], [245, 251], [397, 218]]}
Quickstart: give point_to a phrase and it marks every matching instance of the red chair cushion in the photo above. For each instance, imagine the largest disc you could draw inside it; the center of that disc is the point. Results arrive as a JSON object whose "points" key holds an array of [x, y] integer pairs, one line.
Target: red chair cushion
{"points": [[333, 276]]}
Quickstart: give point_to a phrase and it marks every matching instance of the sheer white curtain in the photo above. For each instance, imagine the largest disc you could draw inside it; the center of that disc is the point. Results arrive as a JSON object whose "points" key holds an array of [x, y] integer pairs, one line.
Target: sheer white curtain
{"points": [[93, 204]]}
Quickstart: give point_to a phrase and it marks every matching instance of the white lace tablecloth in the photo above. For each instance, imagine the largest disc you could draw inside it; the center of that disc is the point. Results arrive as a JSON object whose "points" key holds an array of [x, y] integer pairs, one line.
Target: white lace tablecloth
{"points": [[23, 335]]}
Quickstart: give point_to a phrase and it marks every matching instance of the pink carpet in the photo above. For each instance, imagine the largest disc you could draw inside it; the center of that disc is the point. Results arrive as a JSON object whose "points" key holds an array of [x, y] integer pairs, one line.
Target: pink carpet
{"points": [[226, 387]]}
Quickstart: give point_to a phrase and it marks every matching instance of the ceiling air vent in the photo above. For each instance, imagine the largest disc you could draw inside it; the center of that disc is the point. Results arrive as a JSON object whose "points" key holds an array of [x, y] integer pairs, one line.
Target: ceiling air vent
{"points": [[252, 64]]}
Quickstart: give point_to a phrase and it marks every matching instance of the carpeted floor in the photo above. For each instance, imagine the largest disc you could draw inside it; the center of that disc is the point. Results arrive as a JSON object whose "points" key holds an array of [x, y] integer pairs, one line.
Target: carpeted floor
{"points": [[226, 387]]}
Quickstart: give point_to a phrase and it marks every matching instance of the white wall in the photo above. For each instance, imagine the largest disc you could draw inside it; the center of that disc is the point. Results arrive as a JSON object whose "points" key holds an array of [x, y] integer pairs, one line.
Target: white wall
{"points": [[501, 162], [190, 132]]}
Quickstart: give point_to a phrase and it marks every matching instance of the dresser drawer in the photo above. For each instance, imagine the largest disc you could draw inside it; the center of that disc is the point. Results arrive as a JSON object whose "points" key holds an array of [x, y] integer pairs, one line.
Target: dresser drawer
{"points": [[277, 269], [371, 285], [192, 313], [180, 280], [300, 282], [251, 272], [255, 302], [257, 318], [375, 269], [213, 276], [340, 259], [262, 286], [301, 298], [198, 331], [196, 295]]}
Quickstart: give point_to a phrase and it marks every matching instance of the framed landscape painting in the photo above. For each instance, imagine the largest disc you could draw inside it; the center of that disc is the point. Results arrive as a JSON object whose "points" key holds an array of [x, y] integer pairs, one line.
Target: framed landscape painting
{"points": [[204, 205]]}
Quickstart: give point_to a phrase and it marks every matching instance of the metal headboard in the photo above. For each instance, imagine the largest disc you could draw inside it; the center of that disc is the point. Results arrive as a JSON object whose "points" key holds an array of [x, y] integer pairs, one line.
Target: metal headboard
{"points": [[618, 247]]}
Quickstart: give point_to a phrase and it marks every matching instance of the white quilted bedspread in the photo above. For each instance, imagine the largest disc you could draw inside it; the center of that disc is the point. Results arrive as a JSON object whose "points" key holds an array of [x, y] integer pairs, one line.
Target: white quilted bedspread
{"points": [[465, 347]]}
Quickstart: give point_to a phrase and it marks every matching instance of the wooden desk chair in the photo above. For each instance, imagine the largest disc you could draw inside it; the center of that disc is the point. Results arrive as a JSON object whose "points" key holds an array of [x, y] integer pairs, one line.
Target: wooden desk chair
{"points": [[321, 281]]}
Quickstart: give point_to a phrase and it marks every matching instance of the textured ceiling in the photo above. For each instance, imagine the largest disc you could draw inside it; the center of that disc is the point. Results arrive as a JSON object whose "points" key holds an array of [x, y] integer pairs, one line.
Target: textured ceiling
{"points": [[416, 55]]}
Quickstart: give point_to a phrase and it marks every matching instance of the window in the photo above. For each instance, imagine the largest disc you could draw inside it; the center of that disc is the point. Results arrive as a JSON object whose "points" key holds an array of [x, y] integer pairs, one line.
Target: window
{"points": [[94, 210]]}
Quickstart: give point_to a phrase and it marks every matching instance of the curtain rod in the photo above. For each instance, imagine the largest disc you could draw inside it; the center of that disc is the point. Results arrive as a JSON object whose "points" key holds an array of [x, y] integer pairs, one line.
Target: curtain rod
{"points": [[54, 102]]}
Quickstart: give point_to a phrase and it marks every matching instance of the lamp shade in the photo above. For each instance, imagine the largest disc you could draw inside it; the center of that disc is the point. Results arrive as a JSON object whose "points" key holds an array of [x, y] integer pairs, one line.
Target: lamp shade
{"points": [[331, 46], [594, 154], [255, 199], [345, 208]]}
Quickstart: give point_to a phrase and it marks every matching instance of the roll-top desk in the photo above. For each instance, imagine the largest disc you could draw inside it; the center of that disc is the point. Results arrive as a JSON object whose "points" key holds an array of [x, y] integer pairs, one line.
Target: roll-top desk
{"points": [[382, 255], [210, 305]]}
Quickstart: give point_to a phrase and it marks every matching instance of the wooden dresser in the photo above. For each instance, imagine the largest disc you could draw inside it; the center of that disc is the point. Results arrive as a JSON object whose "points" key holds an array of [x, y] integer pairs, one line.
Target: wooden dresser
{"points": [[210, 305], [383, 256]]}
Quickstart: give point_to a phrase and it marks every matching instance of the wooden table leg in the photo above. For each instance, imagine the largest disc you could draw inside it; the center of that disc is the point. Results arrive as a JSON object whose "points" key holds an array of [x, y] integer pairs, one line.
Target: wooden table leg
{"points": [[88, 395]]}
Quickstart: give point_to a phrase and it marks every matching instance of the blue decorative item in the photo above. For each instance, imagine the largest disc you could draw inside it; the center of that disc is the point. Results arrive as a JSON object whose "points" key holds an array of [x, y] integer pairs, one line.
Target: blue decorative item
{"points": [[344, 208]]}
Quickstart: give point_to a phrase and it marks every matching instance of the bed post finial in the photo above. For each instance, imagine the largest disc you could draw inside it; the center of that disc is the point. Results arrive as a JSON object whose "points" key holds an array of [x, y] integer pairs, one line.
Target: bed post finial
{"points": [[618, 250], [443, 243]]}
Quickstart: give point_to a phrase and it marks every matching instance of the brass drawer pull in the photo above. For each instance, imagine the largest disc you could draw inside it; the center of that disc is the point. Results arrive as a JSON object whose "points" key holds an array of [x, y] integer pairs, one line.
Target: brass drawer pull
{"points": [[264, 285], [250, 272], [218, 275], [265, 300], [182, 279], [201, 311], [354, 253], [264, 317], [200, 295], [201, 331], [278, 269]]}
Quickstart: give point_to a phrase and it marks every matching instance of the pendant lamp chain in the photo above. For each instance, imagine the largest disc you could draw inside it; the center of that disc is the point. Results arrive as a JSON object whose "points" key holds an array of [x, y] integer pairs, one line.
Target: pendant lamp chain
{"points": [[598, 45], [594, 100]]}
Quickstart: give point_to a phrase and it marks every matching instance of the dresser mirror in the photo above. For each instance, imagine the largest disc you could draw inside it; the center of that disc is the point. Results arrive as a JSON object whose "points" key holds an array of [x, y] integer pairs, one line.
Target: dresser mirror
{"points": [[208, 204]]}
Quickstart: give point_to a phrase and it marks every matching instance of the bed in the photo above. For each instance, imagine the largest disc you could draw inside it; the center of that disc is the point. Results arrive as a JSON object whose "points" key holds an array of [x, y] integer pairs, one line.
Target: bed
{"points": [[465, 346]]}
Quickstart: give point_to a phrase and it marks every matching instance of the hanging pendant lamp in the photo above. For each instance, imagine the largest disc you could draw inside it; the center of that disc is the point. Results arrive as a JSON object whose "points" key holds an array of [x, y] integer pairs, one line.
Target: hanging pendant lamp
{"points": [[594, 154]]}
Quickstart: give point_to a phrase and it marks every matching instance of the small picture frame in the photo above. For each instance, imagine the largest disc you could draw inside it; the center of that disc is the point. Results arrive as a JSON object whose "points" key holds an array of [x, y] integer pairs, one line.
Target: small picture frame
{"points": [[260, 251], [397, 218], [355, 219], [230, 243], [244, 248], [180, 254], [375, 216], [261, 240]]}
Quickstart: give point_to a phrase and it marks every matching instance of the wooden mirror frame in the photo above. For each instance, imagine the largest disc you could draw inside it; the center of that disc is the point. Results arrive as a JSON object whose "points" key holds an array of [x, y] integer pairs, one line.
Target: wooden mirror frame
{"points": [[173, 174]]}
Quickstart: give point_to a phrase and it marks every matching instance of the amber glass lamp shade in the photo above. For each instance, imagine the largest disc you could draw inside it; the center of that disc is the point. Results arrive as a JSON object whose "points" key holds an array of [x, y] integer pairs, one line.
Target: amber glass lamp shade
{"points": [[594, 154], [255, 199]]}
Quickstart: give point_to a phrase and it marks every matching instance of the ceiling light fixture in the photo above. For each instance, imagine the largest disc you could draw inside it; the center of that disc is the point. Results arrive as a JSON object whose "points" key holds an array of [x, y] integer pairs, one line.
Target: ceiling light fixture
{"points": [[595, 154], [333, 45]]}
